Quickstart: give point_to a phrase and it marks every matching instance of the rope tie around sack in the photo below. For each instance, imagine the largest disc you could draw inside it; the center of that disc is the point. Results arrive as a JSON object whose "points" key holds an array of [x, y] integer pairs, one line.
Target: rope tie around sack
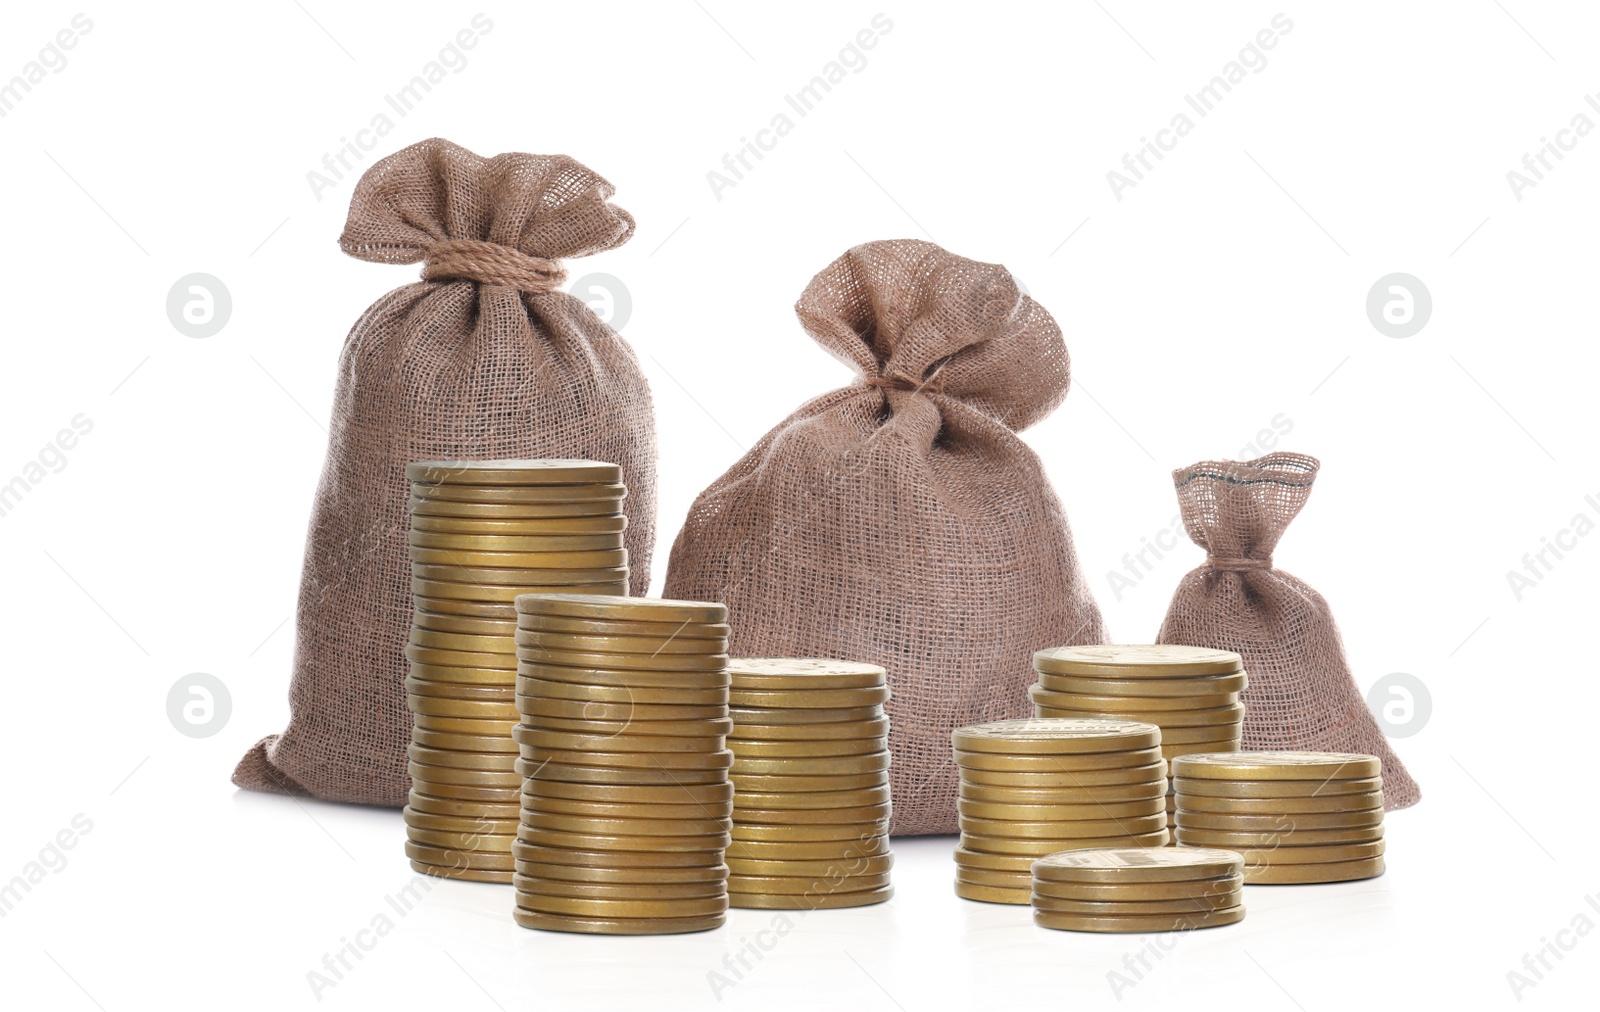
{"points": [[1232, 565], [490, 263]]}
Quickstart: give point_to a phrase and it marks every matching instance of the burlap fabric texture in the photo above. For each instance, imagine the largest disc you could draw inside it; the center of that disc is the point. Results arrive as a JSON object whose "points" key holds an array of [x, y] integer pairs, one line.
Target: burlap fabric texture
{"points": [[900, 520], [1301, 694], [485, 358]]}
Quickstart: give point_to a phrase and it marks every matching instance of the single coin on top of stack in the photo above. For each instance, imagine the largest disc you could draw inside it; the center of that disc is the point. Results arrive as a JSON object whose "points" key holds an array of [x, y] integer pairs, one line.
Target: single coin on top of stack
{"points": [[1191, 693], [626, 802], [1297, 817], [481, 533], [811, 777], [1035, 786], [1146, 889]]}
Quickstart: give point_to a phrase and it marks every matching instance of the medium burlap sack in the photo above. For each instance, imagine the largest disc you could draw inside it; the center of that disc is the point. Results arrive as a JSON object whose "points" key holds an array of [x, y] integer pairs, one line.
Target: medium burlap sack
{"points": [[1301, 694], [900, 520], [485, 358]]}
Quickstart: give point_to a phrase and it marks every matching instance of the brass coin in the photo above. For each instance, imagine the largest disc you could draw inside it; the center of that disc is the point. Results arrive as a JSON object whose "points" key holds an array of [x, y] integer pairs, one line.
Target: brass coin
{"points": [[1152, 923], [520, 494], [537, 526], [805, 673], [506, 664], [476, 709], [712, 794], [811, 732], [586, 824], [701, 729], [648, 746], [604, 507], [857, 815], [991, 894], [1216, 716], [1141, 892], [821, 901], [632, 810], [1141, 908], [464, 792], [445, 855], [1202, 735], [444, 595], [1294, 807], [1171, 752], [1049, 812], [827, 699], [430, 805], [674, 762], [1036, 736], [786, 784], [854, 867], [1324, 854], [996, 879], [1189, 786], [444, 775], [1307, 874], [813, 766], [1066, 763], [767, 716], [1164, 688], [1148, 707], [709, 845], [462, 725], [622, 608], [515, 567], [500, 761], [865, 845], [1045, 847], [624, 678], [701, 876], [783, 885], [460, 824], [679, 864], [533, 645], [542, 471], [464, 874], [1137, 775], [710, 664], [513, 544], [1280, 821], [624, 627], [460, 690], [523, 578], [628, 926], [638, 776], [598, 710], [464, 608], [802, 800], [1064, 829], [1068, 797], [463, 625], [580, 907], [433, 639], [1279, 766], [1012, 864], [534, 687], [619, 890], [805, 748], [1137, 660], [814, 833], [1277, 838], [462, 742]]}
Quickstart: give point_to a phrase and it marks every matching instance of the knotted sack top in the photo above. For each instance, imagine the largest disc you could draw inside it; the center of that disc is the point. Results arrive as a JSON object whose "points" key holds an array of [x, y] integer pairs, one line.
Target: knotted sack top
{"points": [[1237, 510], [917, 320], [506, 220]]}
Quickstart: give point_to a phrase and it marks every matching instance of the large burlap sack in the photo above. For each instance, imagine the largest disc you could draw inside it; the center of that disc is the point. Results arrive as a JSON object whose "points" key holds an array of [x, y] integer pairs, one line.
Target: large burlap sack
{"points": [[1301, 694], [900, 520], [484, 358]]}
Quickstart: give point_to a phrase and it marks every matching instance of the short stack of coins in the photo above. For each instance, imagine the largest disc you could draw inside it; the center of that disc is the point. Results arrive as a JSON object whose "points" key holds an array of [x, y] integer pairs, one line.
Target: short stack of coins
{"points": [[811, 776], [1036, 786], [483, 532], [1297, 817], [1148, 889], [626, 802], [1191, 693]]}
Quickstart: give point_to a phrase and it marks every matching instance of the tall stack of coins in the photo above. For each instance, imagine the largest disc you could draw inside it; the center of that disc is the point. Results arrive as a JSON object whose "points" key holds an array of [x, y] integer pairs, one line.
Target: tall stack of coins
{"points": [[1191, 693], [483, 532], [626, 799], [811, 775], [1146, 889], [1036, 786], [1298, 817]]}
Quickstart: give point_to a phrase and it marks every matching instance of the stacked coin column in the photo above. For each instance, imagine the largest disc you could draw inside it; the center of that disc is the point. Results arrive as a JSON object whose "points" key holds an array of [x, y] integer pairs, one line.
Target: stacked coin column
{"points": [[1298, 817], [483, 532], [1191, 693], [811, 776], [626, 800], [1036, 786], [1145, 890]]}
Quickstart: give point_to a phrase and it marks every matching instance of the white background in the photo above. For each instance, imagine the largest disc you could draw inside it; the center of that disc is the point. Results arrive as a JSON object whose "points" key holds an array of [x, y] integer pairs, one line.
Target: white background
{"points": [[1226, 288]]}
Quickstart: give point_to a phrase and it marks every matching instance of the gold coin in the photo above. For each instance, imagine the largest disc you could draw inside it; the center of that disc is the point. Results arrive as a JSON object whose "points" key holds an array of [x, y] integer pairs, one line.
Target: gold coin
{"points": [[535, 687], [430, 805], [1012, 864], [460, 690], [1141, 892], [816, 799], [1070, 797], [1067, 763], [711, 667], [1279, 766], [1171, 752], [587, 824], [765, 674], [1228, 733], [599, 710], [610, 492], [418, 506], [512, 544], [1141, 908], [767, 717], [639, 776], [1216, 716], [441, 775], [1136, 775], [534, 643], [678, 864], [826, 699], [745, 867], [536, 566], [621, 608], [542, 471], [626, 627], [821, 901], [463, 625], [1189, 786], [712, 794], [1148, 924], [506, 663], [1294, 807], [1163, 688], [864, 845], [473, 708], [618, 890], [860, 814], [486, 761], [524, 575], [703, 728], [873, 729], [459, 725], [432, 639], [628, 926], [650, 745], [821, 832], [1057, 813], [1278, 838], [1035, 736], [1307, 874], [523, 527], [1279, 821], [1062, 829], [1147, 708], [1043, 847], [464, 608], [709, 845], [465, 792], [445, 857], [632, 810], [991, 894], [469, 840], [783, 885], [481, 825], [748, 749], [581, 907], [703, 759], [701, 876], [787, 784], [996, 879], [623, 677], [475, 598], [1321, 854], [1135, 660], [814, 766], [462, 742], [464, 874]]}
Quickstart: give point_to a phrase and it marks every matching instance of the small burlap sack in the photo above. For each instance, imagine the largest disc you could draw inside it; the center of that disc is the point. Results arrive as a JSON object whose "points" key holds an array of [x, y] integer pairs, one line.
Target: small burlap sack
{"points": [[899, 520], [1301, 694], [484, 358]]}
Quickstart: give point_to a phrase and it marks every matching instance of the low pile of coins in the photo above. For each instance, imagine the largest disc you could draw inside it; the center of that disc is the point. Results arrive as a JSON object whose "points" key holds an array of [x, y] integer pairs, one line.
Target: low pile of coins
{"points": [[811, 775], [1297, 817], [1036, 786], [626, 802], [1146, 889], [1191, 693], [483, 532]]}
